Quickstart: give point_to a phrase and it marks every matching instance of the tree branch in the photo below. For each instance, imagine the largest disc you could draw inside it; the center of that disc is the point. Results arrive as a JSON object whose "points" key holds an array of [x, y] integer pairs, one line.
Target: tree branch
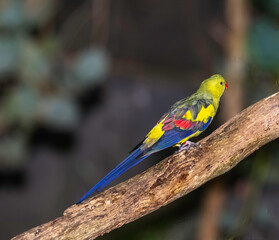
{"points": [[169, 180]]}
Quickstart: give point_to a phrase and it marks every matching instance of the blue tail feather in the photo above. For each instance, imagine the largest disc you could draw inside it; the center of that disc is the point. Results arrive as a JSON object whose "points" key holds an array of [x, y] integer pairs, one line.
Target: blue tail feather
{"points": [[133, 159]]}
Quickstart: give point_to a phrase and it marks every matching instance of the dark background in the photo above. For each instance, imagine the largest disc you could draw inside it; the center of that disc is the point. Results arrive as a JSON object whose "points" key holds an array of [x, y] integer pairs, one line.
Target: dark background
{"points": [[82, 82]]}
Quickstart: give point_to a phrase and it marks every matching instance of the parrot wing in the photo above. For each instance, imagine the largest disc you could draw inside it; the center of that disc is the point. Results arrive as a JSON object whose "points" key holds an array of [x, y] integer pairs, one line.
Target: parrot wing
{"points": [[185, 119]]}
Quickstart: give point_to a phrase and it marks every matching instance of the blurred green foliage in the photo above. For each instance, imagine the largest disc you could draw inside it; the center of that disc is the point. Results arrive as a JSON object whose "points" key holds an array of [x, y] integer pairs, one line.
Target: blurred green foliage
{"points": [[263, 45], [41, 83]]}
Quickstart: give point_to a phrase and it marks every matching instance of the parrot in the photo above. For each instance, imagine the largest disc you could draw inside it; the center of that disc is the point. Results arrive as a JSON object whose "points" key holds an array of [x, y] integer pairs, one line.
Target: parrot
{"points": [[185, 119]]}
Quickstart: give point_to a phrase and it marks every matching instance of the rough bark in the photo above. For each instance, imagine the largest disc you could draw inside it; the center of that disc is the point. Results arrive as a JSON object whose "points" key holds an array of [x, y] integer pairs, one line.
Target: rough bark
{"points": [[170, 179]]}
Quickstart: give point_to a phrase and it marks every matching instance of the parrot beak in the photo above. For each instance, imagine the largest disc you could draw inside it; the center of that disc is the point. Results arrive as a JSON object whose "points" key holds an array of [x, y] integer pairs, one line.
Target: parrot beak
{"points": [[226, 85]]}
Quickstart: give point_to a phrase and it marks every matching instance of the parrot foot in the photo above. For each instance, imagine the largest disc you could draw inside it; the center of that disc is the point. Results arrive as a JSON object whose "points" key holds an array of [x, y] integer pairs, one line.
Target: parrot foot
{"points": [[187, 146]]}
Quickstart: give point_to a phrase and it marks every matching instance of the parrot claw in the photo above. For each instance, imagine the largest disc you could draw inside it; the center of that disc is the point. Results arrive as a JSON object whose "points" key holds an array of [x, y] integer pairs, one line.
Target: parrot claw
{"points": [[187, 146]]}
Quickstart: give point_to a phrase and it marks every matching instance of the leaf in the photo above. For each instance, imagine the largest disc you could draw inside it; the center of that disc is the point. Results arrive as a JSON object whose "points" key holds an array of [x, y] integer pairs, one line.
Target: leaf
{"points": [[91, 66], [59, 112], [263, 46]]}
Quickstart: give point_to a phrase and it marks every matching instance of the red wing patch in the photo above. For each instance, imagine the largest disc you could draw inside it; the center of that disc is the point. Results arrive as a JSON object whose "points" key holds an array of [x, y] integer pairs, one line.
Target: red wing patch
{"points": [[168, 124], [167, 127], [184, 124]]}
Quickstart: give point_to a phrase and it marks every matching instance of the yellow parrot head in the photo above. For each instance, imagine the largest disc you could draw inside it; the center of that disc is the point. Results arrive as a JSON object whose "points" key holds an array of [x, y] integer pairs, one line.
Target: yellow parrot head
{"points": [[214, 85]]}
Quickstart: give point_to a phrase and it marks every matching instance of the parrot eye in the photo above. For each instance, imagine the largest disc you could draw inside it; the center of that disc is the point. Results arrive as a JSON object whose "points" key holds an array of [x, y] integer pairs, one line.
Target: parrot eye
{"points": [[221, 83]]}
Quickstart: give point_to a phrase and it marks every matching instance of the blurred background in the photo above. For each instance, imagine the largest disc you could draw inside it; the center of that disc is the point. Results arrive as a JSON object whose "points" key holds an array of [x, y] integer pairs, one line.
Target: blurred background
{"points": [[82, 82]]}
